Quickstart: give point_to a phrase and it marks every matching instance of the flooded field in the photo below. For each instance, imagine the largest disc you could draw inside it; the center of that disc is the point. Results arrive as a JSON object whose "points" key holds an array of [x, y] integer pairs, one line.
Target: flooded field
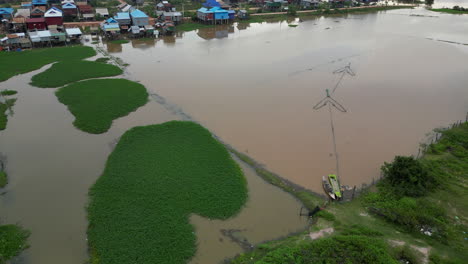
{"points": [[254, 86], [51, 166]]}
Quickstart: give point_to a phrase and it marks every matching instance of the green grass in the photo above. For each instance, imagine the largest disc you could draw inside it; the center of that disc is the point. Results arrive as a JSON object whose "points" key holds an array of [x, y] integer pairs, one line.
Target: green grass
{"points": [[450, 11], [190, 26], [13, 240], [119, 41], [14, 63], [96, 103], [8, 92], [3, 179], [3, 112], [66, 72], [156, 177]]}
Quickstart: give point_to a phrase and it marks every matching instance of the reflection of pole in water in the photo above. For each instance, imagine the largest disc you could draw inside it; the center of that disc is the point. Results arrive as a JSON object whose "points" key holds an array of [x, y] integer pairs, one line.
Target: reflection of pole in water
{"points": [[328, 100], [343, 71]]}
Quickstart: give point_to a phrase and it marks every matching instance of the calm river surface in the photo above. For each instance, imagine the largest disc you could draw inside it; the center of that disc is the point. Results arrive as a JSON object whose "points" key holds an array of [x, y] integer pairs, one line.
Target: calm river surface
{"points": [[254, 86]]}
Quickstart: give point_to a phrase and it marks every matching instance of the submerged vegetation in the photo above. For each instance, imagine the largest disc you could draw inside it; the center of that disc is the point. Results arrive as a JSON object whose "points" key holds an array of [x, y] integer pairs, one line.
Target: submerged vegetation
{"points": [[96, 103], [4, 107], [119, 41], [416, 214], [14, 63], [13, 240], [3, 179], [156, 177], [8, 92], [66, 72], [190, 26]]}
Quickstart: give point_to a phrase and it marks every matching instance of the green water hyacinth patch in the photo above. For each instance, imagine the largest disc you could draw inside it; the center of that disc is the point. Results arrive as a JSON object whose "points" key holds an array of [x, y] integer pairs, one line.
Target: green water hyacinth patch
{"points": [[66, 72], [96, 103], [13, 63], [156, 177]]}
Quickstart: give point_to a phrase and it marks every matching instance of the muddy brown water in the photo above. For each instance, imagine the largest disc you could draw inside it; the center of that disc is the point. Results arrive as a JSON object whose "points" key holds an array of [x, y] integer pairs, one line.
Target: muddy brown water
{"points": [[254, 86], [51, 166]]}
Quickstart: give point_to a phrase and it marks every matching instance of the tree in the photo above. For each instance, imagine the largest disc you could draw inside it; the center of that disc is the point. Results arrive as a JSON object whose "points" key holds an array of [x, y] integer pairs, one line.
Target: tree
{"points": [[406, 176], [429, 2]]}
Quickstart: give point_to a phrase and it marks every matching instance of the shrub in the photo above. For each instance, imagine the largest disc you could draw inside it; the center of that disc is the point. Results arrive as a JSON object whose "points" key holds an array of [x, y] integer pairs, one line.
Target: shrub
{"points": [[406, 176]]}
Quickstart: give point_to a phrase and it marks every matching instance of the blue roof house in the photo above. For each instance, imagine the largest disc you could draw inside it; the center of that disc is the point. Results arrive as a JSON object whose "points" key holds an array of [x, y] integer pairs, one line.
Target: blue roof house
{"points": [[123, 18], [219, 13], [39, 2], [6, 13], [139, 18], [211, 3]]}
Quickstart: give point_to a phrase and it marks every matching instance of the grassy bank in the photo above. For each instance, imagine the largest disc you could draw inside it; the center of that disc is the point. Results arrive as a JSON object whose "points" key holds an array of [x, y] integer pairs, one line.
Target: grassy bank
{"points": [[156, 177], [4, 112], [449, 11], [13, 240], [66, 72], [96, 103], [423, 209], [14, 63], [266, 17]]}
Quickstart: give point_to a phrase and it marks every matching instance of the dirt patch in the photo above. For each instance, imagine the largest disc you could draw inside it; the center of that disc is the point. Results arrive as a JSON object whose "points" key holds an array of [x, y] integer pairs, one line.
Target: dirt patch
{"points": [[321, 233]]}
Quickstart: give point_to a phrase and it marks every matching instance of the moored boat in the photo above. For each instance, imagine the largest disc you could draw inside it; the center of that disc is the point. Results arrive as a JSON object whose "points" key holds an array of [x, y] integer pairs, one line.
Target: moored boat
{"points": [[335, 185], [327, 188]]}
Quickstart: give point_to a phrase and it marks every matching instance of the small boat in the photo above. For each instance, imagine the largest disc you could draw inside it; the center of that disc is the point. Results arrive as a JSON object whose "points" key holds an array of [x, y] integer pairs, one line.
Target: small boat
{"points": [[327, 187], [335, 185]]}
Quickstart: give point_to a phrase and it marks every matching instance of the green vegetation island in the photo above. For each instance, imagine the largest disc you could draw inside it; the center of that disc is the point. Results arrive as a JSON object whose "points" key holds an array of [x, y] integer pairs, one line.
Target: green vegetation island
{"points": [[66, 72], [96, 103], [156, 177]]}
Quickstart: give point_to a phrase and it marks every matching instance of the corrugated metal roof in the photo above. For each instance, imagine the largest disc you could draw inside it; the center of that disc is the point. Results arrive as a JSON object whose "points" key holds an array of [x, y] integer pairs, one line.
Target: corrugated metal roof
{"points": [[73, 31], [102, 11], [138, 14], [68, 6], [44, 34], [53, 12], [6, 11], [35, 20], [205, 10], [122, 15], [111, 27], [24, 12], [39, 2]]}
